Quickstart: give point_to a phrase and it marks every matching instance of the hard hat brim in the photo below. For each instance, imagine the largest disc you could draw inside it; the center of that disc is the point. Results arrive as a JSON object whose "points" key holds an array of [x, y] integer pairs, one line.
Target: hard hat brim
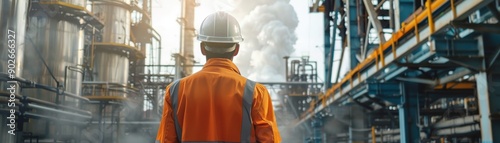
{"points": [[213, 39]]}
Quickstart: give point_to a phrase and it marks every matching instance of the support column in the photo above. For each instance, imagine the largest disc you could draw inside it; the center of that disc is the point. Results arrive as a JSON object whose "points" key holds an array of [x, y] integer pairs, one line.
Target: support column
{"points": [[327, 45], [317, 124], [358, 130], [402, 9], [354, 40], [487, 90], [331, 53], [409, 113]]}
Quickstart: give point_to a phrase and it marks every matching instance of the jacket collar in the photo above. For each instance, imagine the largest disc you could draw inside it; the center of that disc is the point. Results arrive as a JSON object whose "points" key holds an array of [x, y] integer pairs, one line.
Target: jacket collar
{"points": [[220, 63]]}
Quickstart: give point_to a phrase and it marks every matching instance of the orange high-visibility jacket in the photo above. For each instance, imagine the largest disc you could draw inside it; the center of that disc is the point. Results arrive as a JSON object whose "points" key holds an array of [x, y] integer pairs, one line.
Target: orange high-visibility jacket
{"points": [[217, 104]]}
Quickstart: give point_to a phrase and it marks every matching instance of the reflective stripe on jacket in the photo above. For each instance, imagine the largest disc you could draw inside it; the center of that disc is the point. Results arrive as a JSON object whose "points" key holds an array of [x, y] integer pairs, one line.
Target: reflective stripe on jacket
{"points": [[217, 104]]}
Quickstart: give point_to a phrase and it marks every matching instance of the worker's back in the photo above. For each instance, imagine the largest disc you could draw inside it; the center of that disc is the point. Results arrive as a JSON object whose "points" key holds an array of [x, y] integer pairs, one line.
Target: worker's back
{"points": [[217, 104], [210, 104]]}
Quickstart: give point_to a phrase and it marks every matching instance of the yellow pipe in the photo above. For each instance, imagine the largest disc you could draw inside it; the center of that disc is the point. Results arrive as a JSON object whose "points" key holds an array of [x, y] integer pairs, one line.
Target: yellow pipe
{"points": [[453, 8], [374, 138], [430, 19], [417, 33], [393, 46], [382, 56]]}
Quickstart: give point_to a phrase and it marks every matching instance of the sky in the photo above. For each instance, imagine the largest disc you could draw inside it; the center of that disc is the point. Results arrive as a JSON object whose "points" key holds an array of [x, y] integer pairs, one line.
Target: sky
{"points": [[309, 31]]}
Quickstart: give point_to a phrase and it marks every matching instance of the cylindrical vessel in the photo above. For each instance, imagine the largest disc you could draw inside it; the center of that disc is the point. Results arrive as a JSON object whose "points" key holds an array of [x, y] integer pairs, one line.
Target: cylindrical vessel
{"points": [[110, 66], [116, 18], [12, 28], [54, 50]]}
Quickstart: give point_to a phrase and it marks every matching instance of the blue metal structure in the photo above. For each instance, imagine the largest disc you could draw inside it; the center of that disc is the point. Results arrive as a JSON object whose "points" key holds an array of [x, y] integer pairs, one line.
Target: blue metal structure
{"points": [[352, 29], [440, 65]]}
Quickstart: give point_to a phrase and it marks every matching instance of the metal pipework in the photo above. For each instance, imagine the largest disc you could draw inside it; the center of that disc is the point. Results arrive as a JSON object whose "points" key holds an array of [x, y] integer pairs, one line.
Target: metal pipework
{"points": [[459, 130], [457, 122], [42, 102], [34, 106], [31, 84], [286, 68]]}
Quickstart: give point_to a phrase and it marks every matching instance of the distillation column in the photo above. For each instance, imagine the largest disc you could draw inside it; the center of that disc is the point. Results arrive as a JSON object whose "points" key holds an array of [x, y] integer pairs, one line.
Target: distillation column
{"points": [[54, 51], [13, 14], [187, 34], [109, 90]]}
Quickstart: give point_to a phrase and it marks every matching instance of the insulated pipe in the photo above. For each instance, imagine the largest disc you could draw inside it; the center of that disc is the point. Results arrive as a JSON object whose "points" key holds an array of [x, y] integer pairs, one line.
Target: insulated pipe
{"points": [[457, 122], [53, 118], [58, 111], [38, 101], [458, 130]]}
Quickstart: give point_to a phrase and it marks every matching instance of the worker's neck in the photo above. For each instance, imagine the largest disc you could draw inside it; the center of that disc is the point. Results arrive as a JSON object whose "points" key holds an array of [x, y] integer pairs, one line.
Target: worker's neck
{"points": [[208, 58]]}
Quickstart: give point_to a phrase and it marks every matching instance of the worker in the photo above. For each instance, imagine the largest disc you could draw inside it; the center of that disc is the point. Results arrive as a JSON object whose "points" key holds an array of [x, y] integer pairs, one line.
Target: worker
{"points": [[217, 104]]}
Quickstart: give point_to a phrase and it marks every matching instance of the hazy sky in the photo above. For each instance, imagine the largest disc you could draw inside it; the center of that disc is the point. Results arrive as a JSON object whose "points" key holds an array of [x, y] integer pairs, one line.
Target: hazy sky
{"points": [[309, 31]]}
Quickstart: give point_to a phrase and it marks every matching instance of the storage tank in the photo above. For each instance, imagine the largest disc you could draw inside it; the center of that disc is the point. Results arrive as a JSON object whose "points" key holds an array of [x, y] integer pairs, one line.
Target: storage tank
{"points": [[111, 63], [13, 27], [112, 56], [54, 49]]}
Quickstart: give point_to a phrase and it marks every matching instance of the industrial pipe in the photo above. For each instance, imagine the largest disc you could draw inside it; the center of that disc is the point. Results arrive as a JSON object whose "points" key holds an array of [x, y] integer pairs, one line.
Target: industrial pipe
{"points": [[32, 84], [457, 122], [34, 115], [286, 67], [458, 130], [58, 111], [38, 101]]}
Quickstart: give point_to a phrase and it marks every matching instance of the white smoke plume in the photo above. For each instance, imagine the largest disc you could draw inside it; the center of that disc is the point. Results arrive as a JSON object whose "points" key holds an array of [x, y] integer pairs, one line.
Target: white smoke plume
{"points": [[268, 27]]}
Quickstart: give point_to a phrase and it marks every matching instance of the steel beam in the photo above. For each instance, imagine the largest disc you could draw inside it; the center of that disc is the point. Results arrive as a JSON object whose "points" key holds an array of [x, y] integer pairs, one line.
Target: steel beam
{"points": [[455, 47], [372, 16], [331, 56], [327, 43], [479, 27], [409, 114], [486, 87], [353, 40], [494, 58]]}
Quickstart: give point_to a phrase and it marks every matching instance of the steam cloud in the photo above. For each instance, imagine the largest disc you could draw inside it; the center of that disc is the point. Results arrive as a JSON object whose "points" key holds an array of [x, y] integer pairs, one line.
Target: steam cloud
{"points": [[268, 27]]}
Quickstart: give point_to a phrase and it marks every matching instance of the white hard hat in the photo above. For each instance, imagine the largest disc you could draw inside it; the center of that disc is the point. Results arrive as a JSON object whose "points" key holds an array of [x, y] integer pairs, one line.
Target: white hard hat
{"points": [[220, 27]]}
